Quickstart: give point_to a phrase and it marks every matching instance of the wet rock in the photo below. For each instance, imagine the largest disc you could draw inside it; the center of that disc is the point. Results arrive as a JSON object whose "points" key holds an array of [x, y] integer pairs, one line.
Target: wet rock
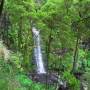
{"points": [[44, 78], [63, 88]]}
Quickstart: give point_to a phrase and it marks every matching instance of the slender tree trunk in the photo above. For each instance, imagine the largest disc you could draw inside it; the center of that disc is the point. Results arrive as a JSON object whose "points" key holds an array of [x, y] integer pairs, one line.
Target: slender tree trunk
{"points": [[48, 49], [20, 34], [75, 54], [65, 2], [49, 44], [1, 6]]}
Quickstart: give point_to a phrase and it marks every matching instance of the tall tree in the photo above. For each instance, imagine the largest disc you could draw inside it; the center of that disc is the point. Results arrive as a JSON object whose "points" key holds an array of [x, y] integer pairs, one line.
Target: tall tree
{"points": [[1, 6]]}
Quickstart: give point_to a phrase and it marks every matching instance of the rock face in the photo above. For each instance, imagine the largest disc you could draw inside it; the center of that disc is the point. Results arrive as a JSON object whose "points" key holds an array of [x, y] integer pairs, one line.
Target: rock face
{"points": [[63, 88], [4, 52], [50, 79], [44, 78]]}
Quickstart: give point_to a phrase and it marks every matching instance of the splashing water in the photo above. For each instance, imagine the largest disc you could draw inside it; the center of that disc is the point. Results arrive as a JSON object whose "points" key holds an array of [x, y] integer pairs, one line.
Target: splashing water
{"points": [[37, 52]]}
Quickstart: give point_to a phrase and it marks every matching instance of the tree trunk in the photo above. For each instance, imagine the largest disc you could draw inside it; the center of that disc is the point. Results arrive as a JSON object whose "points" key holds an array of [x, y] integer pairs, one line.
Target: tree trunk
{"points": [[20, 34], [75, 54], [1, 6], [48, 49]]}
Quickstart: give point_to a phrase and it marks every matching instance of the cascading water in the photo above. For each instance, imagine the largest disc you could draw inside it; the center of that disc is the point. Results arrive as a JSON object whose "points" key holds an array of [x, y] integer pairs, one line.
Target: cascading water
{"points": [[38, 52], [42, 75]]}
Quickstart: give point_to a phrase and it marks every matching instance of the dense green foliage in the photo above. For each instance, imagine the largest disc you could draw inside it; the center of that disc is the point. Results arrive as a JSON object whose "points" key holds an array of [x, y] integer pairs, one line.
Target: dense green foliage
{"points": [[64, 25]]}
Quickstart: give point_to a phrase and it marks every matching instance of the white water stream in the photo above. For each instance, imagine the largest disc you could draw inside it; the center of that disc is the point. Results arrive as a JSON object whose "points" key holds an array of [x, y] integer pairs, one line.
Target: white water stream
{"points": [[37, 52]]}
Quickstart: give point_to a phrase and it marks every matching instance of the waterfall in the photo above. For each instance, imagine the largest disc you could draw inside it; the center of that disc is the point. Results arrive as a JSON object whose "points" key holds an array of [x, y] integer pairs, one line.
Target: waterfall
{"points": [[37, 52]]}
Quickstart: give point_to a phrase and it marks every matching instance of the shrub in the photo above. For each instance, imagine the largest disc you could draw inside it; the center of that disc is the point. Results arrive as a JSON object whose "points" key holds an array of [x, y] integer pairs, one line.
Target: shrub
{"points": [[72, 82]]}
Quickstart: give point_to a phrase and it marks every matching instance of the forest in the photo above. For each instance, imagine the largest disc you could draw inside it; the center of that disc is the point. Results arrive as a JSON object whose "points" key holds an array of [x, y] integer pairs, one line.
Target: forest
{"points": [[44, 44]]}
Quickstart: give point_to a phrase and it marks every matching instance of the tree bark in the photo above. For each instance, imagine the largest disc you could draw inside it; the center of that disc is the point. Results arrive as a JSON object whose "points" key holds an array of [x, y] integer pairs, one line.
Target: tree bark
{"points": [[20, 34], [1, 6], [49, 44], [75, 54]]}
